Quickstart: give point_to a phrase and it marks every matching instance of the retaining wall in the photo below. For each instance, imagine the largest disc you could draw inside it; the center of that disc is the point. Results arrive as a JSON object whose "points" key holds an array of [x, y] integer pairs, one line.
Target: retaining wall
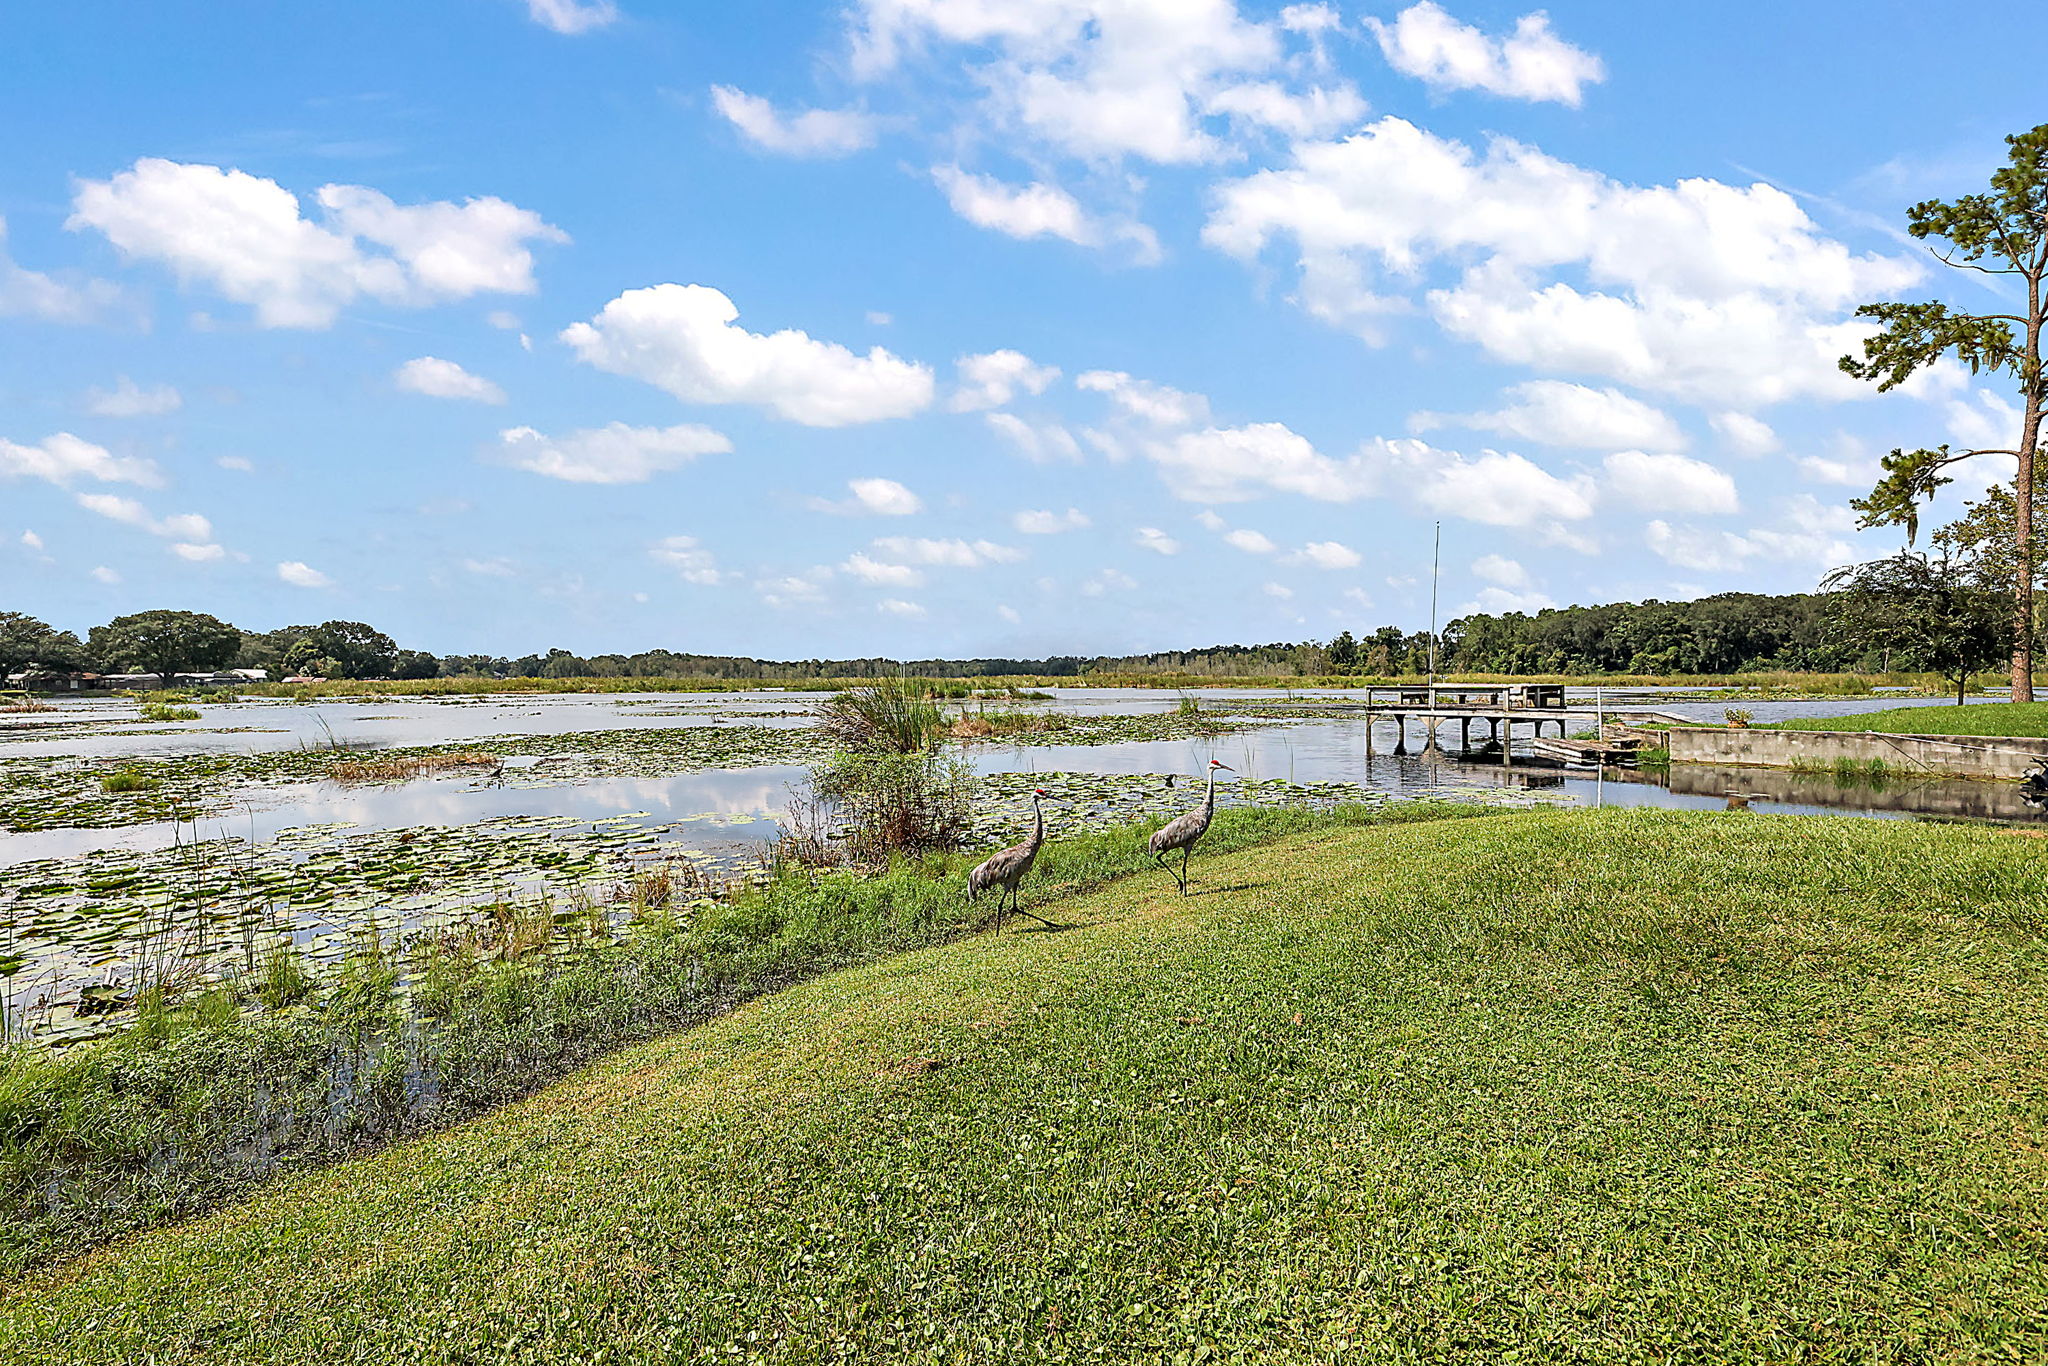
{"points": [[1969, 756]]}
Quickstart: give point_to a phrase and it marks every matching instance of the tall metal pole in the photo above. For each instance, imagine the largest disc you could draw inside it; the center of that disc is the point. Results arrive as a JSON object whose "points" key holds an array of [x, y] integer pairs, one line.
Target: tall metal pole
{"points": [[1436, 556]]}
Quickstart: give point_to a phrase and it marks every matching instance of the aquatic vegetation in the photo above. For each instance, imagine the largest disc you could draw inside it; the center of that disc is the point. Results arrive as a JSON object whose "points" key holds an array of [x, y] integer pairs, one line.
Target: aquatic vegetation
{"points": [[398, 770], [887, 716], [165, 711], [127, 780]]}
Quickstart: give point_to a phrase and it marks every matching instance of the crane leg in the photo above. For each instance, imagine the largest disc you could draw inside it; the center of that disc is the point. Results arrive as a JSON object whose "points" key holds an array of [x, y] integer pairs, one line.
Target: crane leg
{"points": [[1184, 870]]}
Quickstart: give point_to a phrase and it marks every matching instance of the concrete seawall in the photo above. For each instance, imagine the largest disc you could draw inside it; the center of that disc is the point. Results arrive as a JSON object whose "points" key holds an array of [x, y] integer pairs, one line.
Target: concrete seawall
{"points": [[1968, 756]]}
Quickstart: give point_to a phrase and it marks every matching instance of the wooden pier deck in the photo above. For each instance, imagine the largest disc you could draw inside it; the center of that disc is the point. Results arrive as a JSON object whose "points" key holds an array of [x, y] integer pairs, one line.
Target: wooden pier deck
{"points": [[1500, 709]]}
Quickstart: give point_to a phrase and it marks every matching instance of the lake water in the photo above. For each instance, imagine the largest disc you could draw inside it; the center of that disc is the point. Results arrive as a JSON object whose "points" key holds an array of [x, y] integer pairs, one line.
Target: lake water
{"points": [[314, 858], [1332, 750]]}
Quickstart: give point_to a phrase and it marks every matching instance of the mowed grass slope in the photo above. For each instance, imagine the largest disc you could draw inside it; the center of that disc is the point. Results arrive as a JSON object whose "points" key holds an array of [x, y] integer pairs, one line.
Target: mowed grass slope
{"points": [[1595, 1086], [1978, 718]]}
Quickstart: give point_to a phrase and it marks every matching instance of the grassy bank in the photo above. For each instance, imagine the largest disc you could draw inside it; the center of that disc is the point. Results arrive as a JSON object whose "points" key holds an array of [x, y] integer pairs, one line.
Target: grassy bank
{"points": [[1588, 1086], [1990, 718], [302, 1059]]}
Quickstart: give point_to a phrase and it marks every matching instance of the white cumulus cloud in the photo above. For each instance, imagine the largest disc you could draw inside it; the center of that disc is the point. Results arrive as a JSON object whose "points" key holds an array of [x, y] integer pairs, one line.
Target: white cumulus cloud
{"points": [[874, 497], [33, 294], [1153, 539], [247, 238], [612, 454], [1249, 541], [688, 558], [897, 607], [299, 574], [810, 133], [129, 399], [572, 16], [1034, 522], [1670, 483], [1720, 294], [683, 338], [61, 458], [953, 554], [437, 378], [1531, 64], [870, 570], [1561, 414], [1326, 555], [993, 379]]}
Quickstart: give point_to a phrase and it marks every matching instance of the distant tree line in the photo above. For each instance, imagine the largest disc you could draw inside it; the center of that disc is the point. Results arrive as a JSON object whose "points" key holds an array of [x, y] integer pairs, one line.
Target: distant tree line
{"points": [[1892, 615]]}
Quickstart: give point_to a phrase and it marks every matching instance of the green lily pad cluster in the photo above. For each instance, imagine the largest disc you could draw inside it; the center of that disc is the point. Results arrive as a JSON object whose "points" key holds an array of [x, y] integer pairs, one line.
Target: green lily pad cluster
{"points": [[198, 912]]}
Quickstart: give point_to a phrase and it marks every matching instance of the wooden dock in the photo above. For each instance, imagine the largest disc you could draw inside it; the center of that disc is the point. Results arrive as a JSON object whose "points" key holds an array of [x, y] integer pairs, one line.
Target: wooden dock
{"points": [[1501, 709]]}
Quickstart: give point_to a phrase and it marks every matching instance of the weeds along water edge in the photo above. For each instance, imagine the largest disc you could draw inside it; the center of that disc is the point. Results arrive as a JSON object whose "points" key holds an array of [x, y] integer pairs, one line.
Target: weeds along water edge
{"points": [[213, 1089]]}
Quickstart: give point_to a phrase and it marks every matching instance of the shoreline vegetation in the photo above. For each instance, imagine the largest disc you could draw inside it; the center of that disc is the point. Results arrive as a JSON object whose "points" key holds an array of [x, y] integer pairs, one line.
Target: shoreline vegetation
{"points": [[1020, 687], [299, 1059], [1749, 1088]]}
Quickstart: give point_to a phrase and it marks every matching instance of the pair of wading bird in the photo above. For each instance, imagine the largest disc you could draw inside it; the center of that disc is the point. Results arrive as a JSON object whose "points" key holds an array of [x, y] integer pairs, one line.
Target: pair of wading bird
{"points": [[1007, 869]]}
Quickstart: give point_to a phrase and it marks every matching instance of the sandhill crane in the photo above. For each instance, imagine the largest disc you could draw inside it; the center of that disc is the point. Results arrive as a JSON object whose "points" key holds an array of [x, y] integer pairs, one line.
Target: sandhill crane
{"points": [[1182, 831], [1007, 869]]}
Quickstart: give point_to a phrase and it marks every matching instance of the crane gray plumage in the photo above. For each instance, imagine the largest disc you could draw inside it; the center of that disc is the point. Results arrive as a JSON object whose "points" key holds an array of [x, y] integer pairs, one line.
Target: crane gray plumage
{"points": [[1007, 868], [1182, 831]]}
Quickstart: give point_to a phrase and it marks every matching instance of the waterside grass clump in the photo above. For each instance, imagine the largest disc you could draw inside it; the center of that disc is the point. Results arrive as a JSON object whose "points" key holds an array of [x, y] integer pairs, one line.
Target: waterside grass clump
{"points": [[168, 711], [293, 1063], [399, 769]]}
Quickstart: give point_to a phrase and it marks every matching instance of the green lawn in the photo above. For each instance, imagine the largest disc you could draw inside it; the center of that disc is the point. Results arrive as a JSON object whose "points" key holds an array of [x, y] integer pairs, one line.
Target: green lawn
{"points": [[1553, 1086], [1980, 718]]}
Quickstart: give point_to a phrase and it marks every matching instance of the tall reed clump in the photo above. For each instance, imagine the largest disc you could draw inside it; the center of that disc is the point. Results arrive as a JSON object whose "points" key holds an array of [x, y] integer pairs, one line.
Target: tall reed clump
{"points": [[889, 787], [887, 716]]}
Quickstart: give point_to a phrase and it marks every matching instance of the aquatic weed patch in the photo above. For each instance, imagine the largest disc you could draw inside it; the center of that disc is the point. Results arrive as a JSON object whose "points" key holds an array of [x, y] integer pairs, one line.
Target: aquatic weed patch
{"points": [[202, 913]]}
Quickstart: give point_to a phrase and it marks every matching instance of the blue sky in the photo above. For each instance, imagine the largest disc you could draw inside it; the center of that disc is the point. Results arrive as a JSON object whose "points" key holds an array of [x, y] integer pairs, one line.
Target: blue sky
{"points": [[959, 327]]}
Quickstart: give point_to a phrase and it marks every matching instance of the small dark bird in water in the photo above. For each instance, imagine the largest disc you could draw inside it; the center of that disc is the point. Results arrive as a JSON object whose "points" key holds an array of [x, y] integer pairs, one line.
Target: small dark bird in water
{"points": [[1007, 868], [1182, 831]]}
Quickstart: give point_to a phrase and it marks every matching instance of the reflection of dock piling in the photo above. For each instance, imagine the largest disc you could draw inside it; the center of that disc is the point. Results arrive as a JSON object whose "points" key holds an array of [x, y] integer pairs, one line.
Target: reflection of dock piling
{"points": [[1502, 708]]}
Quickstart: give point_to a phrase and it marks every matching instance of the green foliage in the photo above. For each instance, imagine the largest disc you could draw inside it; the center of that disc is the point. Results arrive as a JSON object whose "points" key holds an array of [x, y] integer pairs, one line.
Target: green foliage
{"points": [[335, 649], [888, 803], [887, 716], [128, 780], [1928, 613], [2004, 232], [27, 640], [1738, 717], [165, 711], [1603, 1086], [166, 643]]}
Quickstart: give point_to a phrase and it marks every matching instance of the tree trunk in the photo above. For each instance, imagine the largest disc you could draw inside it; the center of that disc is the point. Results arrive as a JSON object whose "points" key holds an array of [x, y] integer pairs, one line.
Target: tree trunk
{"points": [[2023, 504]]}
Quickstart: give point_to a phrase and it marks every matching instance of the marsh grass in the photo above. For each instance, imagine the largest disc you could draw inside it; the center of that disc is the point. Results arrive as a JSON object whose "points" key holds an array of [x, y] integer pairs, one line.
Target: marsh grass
{"points": [[886, 716], [128, 780], [166, 711], [1875, 773], [398, 770]]}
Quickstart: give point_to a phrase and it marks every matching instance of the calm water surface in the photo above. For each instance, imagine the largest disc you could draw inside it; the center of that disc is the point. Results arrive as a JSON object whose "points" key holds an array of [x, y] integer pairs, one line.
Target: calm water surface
{"points": [[1304, 751]]}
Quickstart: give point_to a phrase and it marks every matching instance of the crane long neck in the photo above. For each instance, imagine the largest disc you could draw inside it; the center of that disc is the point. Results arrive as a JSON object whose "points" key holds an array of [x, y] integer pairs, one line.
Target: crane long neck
{"points": [[1209, 798], [1038, 825]]}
